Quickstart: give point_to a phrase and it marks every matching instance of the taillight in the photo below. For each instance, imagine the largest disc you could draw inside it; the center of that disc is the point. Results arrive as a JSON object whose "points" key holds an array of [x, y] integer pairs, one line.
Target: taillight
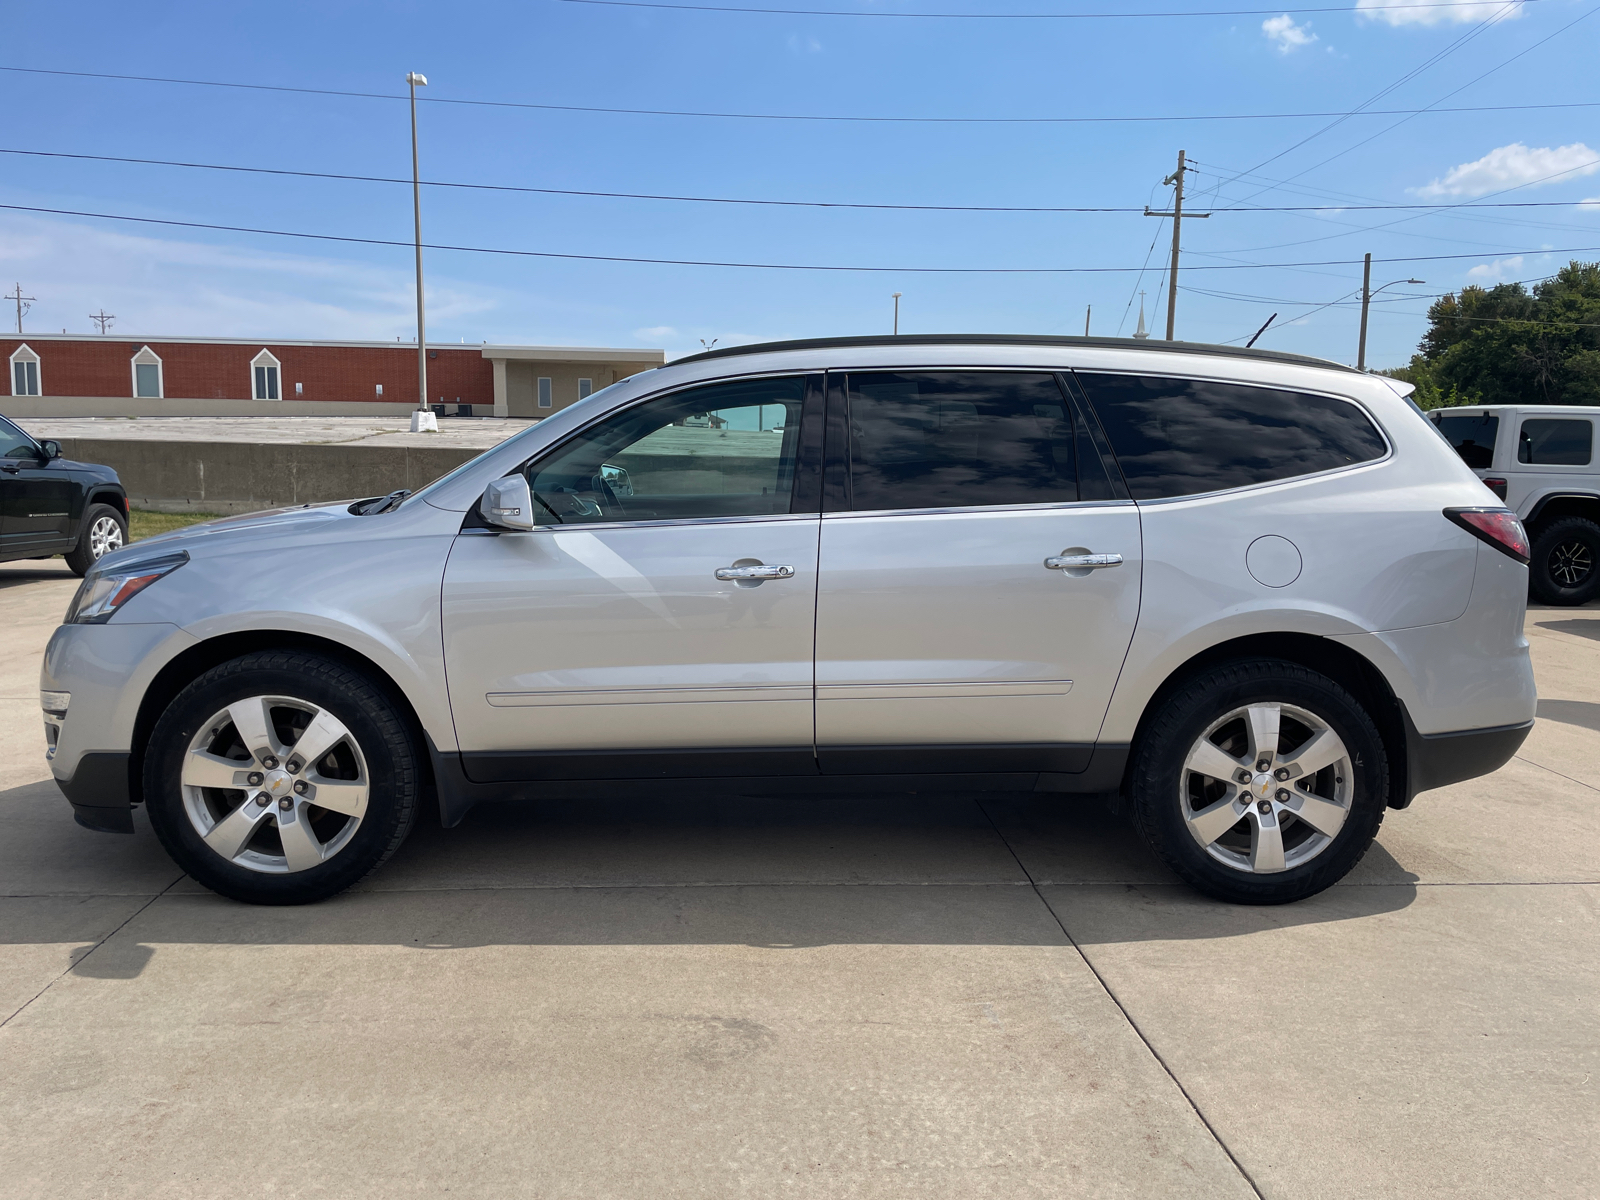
{"points": [[1497, 486], [1497, 526]]}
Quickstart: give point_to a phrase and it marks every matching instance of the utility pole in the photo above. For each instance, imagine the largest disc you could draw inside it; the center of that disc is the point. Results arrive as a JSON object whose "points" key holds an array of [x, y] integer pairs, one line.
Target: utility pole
{"points": [[102, 319], [1177, 215], [22, 304], [1367, 293], [423, 418]]}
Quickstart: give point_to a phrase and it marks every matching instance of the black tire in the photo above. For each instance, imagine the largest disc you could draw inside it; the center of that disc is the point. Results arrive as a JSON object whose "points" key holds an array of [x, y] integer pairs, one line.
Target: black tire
{"points": [[1565, 566], [90, 549], [379, 733], [1162, 798]]}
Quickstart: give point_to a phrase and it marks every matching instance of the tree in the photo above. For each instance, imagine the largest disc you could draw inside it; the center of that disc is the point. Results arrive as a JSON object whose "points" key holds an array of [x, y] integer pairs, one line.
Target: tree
{"points": [[1507, 345]]}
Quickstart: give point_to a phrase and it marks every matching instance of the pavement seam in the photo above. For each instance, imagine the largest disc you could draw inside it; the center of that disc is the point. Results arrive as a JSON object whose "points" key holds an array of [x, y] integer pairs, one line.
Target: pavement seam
{"points": [[72, 966], [1122, 1008], [1557, 773]]}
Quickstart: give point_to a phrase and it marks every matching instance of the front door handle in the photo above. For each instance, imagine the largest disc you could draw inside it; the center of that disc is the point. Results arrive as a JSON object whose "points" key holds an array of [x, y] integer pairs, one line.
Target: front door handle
{"points": [[757, 572], [1082, 562]]}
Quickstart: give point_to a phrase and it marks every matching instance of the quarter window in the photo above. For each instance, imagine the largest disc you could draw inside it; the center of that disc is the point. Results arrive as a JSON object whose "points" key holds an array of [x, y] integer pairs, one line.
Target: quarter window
{"points": [[1473, 436], [265, 371], [24, 372], [1555, 442], [727, 450], [1182, 437], [958, 439], [147, 381]]}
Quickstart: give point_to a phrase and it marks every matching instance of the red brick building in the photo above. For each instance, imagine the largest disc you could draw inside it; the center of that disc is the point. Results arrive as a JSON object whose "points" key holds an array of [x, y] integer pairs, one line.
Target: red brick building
{"points": [[53, 374]]}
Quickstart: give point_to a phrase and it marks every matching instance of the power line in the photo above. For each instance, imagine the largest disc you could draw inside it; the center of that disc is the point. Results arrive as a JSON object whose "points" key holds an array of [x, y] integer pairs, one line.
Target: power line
{"points": [[745, 116], [761, 266], [1000, 208], [973, 16]]}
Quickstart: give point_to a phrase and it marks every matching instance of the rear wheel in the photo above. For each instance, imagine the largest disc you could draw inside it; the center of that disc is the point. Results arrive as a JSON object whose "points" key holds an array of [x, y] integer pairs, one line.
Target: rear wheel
{"points": [[104, 529], [281, 778], [1565, 566], [1260, 782]]}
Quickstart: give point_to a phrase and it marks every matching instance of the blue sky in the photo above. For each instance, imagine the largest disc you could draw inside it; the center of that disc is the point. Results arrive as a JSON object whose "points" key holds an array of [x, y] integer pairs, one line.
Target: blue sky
{"points": [[170, 281]]}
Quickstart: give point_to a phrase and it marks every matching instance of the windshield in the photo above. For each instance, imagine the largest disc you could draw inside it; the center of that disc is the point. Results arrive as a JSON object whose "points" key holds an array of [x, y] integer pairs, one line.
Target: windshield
{"points": [[1473, 436]]}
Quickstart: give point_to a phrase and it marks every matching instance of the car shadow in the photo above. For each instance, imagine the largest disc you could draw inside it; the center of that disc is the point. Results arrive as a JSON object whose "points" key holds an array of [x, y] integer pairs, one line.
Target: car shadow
{"points": [[15, 574], [1585, 714], [1585, 629], [636, 870]]}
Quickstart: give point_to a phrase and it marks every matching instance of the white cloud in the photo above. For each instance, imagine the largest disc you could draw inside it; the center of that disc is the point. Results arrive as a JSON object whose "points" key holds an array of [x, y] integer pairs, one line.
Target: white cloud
{"points": [[804, 45], [1511, 166], [1283, 33], [1592, 203], [1447, 12], [1496, 271], [160, 287]]}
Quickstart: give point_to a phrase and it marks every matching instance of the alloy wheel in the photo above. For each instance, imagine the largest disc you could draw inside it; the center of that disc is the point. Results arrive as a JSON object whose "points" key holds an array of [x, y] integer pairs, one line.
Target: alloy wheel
{"points": [[1266, 788], [1571, 563], [275, 784], [105, 535]]}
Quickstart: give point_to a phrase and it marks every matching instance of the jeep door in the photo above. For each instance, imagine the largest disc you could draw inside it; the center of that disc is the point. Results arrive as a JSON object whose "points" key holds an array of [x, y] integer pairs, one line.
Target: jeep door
{"points": [[661, 620], [37, 500], [979, 575]]}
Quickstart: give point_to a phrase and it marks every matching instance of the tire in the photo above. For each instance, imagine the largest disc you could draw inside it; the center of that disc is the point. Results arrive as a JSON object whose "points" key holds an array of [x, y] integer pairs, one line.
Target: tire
{"points": [[104, 529], [1321, 832], [1565, 566], [203, 786]]}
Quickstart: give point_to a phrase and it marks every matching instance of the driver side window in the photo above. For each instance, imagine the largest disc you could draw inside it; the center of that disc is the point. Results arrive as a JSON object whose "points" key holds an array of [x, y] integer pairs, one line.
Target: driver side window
{"points": [[727, 450], [14, 443]]}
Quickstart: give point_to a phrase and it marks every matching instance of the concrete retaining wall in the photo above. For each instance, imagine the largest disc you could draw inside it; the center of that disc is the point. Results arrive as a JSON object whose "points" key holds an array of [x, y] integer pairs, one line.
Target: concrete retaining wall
{"points": [[36, 407], [232, 477]]}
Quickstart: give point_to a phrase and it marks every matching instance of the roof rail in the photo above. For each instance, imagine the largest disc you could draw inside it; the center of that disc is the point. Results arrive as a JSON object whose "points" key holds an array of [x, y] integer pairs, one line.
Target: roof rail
{"points": [[1011, 339]]}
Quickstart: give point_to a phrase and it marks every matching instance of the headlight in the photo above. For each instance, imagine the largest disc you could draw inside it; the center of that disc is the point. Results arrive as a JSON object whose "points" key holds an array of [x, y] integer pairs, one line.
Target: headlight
{"points": [[102, 594]]}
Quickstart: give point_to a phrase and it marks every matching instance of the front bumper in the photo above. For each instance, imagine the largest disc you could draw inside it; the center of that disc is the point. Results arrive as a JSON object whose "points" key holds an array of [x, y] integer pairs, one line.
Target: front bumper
{"points": [[100, 793]]}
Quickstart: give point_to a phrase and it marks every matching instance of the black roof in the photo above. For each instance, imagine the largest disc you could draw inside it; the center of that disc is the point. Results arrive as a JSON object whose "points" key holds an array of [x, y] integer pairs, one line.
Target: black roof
{"points": [[1012, 339]]}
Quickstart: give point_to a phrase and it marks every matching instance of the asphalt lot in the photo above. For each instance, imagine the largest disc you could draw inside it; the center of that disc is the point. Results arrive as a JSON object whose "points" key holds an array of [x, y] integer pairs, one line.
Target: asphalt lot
{"points": [[914, 996]]}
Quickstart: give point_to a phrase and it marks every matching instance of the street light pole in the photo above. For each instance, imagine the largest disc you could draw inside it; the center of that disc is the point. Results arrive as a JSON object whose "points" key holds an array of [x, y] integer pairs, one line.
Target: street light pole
{"points": [[1367, 293], [897, 314], [423, 418]]}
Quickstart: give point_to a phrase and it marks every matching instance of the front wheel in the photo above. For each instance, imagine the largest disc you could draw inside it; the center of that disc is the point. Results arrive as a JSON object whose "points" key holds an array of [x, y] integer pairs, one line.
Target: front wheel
{"points": [[281, 778], [1565, 564], [1260, 782], [104, 530]]}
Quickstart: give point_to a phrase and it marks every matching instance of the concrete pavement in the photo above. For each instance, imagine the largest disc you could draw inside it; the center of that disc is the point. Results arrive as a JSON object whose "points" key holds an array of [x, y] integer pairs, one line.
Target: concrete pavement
{"points": [[873, 996]]}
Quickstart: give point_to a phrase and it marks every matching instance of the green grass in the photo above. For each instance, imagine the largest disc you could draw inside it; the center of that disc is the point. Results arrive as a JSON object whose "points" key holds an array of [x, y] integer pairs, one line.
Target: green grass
{"points": [[143, 524]]}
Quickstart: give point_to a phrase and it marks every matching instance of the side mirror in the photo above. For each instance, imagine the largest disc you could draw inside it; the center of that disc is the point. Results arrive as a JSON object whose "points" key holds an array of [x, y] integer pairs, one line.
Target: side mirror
{"points": [[51, 448], [508, 504]]}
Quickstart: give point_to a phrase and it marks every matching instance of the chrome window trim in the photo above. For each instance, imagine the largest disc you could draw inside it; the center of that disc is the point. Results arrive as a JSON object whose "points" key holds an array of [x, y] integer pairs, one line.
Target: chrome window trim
{"points": [[669, 523], [1049, 506]]}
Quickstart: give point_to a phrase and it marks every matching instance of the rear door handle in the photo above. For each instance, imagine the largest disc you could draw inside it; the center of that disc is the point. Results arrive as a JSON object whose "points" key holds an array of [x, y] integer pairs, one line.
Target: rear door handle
{"points": [[756, 572], [1082, 562]]}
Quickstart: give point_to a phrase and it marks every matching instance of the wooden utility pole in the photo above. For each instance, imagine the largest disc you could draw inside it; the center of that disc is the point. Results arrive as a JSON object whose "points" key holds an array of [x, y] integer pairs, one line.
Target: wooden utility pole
{"points": [[1177, 215], [103, 319], [22, 303]]}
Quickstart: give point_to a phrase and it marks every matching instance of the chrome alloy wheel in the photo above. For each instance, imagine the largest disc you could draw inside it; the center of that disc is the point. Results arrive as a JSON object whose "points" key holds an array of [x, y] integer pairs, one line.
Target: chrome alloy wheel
{"points": [[1571, 563], [105, 535], [275, 784], [1266, 788]]}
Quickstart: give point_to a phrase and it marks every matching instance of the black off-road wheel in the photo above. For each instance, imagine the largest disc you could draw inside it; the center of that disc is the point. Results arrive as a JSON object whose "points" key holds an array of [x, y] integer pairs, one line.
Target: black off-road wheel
{"points": [[1260, 782], [281, 777], [1565, 565]]}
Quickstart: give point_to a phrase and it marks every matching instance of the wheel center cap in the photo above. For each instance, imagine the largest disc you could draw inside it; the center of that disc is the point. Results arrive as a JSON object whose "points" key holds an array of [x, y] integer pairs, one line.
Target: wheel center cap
{"points": [[277, 783], [1263, 784]]}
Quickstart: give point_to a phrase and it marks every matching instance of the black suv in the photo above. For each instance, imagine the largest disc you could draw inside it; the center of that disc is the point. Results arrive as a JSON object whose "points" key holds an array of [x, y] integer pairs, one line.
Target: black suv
{"points": [[51, 506]]}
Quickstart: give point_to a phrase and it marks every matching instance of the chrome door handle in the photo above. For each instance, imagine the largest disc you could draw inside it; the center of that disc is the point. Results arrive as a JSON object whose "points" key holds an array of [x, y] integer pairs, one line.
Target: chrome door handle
{"points": [[757, 572], [1082, 562]]}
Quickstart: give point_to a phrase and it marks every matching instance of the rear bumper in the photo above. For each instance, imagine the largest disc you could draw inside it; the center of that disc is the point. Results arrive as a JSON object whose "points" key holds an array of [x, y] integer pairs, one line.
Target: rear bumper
{"points": [[1436, 760], [99, 793]]}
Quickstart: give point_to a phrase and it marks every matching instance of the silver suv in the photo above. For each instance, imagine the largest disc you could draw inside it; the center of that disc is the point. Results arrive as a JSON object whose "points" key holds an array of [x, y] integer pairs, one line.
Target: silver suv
{"points": [[1540, 461], [1254, 595]]}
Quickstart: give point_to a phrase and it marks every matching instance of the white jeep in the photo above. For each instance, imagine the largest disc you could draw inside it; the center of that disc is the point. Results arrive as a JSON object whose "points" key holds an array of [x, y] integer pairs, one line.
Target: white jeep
{"points": [[1539, 459]]}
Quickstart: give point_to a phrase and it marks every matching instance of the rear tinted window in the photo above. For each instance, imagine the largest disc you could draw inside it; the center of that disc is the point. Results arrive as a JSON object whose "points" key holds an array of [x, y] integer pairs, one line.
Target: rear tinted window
{"points": [[1472, 435], [956, 439], [1180, 437], [1555, 442]]}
